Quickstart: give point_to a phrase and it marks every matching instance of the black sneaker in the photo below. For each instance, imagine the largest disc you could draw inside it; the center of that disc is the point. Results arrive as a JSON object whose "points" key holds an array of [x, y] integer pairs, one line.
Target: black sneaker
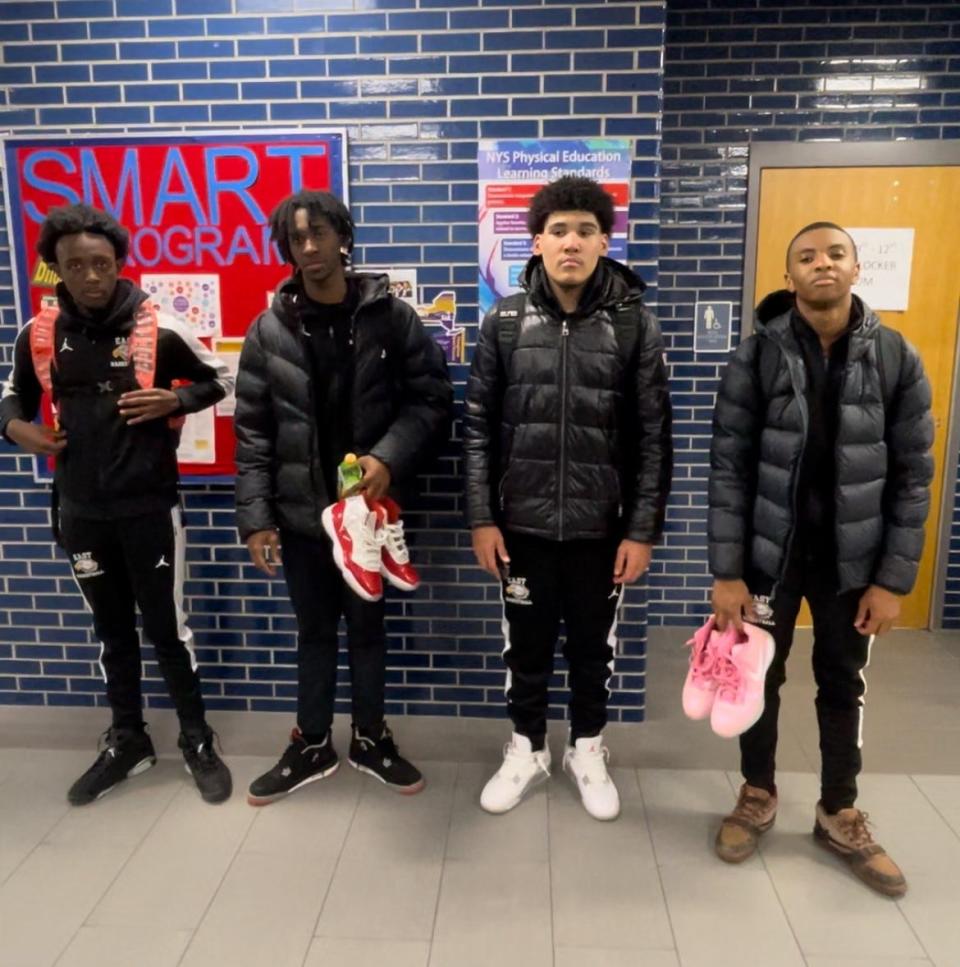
{"points": [[381, 758], [299, 765], [209, 771], [123, 753]]}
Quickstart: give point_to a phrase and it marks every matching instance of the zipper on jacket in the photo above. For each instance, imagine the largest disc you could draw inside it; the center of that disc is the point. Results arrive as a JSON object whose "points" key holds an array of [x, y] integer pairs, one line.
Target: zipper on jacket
{"points": [[805, 423], [564, 334]]}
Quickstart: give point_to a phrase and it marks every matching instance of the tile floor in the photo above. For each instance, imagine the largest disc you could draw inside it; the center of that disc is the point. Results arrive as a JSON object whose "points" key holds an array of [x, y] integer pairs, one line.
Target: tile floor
{"points": [[347, 873]]}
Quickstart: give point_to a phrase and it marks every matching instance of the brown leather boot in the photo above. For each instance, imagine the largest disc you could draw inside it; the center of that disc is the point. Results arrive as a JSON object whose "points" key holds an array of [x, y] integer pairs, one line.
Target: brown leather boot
{"points": [[739, 833], [847, 834]]}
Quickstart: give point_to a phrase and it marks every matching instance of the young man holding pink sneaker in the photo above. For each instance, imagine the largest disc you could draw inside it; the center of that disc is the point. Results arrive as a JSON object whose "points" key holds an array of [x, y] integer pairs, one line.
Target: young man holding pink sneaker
{"points": [[337, 364], [819, 489], [568, 453]]}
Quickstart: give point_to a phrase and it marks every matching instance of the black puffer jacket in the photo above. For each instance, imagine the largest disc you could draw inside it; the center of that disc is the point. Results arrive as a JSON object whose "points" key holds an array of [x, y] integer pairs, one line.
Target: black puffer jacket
{"points": [[574, 441], [883, 462], [401, 405]]}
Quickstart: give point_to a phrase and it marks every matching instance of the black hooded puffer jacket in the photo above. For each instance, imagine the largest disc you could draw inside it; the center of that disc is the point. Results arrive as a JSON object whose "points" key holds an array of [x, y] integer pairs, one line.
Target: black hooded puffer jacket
{"points": [[574, 441], [883, 461], [401, 406]]}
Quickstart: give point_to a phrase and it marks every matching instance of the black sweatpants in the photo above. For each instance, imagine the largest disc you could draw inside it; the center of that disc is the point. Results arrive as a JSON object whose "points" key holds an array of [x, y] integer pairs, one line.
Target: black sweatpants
{"points": [[320, 596], [840, 655], [129, 563], [548, 581]]}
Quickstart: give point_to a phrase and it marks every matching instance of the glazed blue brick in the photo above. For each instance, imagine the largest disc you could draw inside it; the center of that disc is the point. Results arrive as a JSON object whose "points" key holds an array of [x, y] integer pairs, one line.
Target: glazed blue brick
{"points": [[89, 9], [120, 72], [419, 66], [182, 113], [389, 44], [269, 90], [238, 112], [432, 43], [210, 92], [194, 7], [220, 69], [297, 112], [181, 70], [327, 45], [46, 31], [176, 27], [147, 50], [29, 54], [122, 115], [206, 48], [15, 75], [117, 29], [339, 89], [572, 127], [477, 63], [514, 40], [66, 115], [234, 26], [542, 106], [420, 20], [419, 109], [88, 52], [268, 47], [307, 24], [540, 63], [94, 94], [37, 95], [17, 11], [357, 67]]}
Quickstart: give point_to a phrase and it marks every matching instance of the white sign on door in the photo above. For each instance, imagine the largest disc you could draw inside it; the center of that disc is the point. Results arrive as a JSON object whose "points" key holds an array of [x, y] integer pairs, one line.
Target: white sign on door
{"points": [[885, 257]]}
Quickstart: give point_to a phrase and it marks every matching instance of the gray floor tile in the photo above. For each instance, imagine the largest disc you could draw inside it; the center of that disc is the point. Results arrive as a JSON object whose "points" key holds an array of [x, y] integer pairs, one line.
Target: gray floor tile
{"points": [[608, 957], [119, 946], [493, 913], [405, 835], [330, 951], [943, 792], [605, 884]]}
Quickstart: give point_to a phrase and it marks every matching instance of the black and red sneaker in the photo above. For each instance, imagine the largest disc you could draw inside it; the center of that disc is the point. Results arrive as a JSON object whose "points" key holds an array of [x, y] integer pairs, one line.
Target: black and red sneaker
{"points": [[299, 765], [380, 757]]}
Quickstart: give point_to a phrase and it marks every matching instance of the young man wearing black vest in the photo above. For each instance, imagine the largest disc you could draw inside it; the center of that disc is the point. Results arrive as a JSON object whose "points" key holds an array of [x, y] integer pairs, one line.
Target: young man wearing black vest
{"points": [[568, 461], [108, 359]]}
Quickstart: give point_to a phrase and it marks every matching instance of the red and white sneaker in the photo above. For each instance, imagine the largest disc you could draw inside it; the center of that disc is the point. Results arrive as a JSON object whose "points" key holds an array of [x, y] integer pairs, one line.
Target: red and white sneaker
{"points": [[395, 563], [357, 533]]}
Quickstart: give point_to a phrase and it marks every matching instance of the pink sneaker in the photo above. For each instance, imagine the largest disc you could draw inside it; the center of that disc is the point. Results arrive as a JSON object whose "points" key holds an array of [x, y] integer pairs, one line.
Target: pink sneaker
{"points": [[740, 675], [700, 689], [395, 563], [357, 533]]}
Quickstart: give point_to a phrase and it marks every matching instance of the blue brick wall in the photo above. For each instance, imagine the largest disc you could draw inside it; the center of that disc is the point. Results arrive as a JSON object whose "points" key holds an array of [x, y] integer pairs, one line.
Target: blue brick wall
{"points": [[738, 72], [416, 85]]}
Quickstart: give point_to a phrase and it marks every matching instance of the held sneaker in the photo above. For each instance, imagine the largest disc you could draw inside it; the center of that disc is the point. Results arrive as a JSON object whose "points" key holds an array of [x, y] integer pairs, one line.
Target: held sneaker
{"points": [[739, 833], [522, 770], [209, 771], [395, 563], [357, 533], [586, 763], [123, 753], [699, 687], [740, 674], [848, 835], [381, 759], [299, 765]]}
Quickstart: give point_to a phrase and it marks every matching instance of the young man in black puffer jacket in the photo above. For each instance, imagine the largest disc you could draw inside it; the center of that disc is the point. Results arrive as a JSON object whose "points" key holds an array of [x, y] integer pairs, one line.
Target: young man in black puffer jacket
{"points": [[568, 460], [336, 364], [819, 489]]}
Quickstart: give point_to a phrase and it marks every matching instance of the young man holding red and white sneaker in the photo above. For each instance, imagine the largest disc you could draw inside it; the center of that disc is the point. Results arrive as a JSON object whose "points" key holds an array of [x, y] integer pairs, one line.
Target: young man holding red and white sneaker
{"points": [[568, 454], [819, 489], [336, 364]]}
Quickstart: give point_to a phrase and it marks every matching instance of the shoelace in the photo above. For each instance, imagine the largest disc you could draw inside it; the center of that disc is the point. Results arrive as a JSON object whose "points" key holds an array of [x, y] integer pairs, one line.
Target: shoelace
{"points": [[857, 829], [750, 807], [395, 541], [513, 758], [367, 550], [727, 676], [594, 764], [206, 752], [701, 661]]}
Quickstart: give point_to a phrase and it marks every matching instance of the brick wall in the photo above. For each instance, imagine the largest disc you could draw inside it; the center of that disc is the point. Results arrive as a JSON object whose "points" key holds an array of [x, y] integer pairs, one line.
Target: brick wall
{"points": [[416, 84], [744, 71]]}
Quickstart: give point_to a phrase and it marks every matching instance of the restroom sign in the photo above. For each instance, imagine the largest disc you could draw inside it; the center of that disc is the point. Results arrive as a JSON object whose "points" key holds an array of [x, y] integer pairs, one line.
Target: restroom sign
{"points": [[712, 327]]}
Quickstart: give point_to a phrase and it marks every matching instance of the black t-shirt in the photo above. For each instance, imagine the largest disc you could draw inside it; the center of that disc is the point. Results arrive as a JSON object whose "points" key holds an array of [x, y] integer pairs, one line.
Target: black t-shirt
{"points": [[329, 328]]}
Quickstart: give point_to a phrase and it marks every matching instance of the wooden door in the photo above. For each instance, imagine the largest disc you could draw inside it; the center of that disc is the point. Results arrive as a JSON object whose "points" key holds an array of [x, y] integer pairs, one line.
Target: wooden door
{"points": [[926, 199]]}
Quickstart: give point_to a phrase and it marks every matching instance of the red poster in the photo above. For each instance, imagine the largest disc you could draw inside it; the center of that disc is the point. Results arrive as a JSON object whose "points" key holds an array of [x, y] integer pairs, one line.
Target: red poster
{"points": [[196, 206]]}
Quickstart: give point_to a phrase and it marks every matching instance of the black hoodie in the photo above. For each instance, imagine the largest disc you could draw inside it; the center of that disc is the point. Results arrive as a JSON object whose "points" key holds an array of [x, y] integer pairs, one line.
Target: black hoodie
{"points": [[109, 469]]}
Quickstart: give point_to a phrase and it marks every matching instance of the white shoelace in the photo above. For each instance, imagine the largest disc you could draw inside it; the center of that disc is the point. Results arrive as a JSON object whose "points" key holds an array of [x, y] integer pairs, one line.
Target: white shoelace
{"points": [[593, 765], [396, 543], [367, 549]]}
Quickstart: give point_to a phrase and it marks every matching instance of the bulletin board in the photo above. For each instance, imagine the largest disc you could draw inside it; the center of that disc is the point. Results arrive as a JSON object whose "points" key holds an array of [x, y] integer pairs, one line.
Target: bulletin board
{"points": [[196, 204]]}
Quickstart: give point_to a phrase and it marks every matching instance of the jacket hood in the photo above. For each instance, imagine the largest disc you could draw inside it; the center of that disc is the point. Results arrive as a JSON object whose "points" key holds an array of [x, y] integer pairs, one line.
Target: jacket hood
{"points": [[116, 316], [782, 302], [290, 297], [611, 282]]}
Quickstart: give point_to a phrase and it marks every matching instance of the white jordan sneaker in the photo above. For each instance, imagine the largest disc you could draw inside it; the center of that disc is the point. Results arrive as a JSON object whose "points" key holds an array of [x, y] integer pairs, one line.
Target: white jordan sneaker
{"points": [[522, 770]]}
